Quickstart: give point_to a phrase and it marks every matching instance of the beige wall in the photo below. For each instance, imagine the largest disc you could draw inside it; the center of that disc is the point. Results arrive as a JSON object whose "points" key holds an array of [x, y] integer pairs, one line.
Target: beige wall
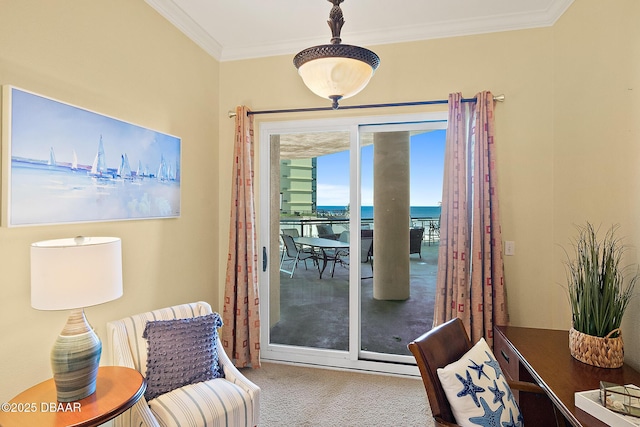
{"points": [[122, 59], [560, 162], [596, 159]]}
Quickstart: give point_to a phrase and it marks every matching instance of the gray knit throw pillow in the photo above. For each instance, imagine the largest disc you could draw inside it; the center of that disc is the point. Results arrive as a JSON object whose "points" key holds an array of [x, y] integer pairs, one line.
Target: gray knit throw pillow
{"points": [[181, 352]]}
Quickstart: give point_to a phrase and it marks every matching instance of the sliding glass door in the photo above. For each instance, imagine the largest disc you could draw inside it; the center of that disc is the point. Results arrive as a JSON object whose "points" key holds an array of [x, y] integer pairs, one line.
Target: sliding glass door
{"points": [[309, 292], [349, 232], [401, 187]]}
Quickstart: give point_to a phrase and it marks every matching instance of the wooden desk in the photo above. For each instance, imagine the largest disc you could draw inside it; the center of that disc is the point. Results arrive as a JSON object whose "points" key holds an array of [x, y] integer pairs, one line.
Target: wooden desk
{"points": [[544, 354], [117, 389]]}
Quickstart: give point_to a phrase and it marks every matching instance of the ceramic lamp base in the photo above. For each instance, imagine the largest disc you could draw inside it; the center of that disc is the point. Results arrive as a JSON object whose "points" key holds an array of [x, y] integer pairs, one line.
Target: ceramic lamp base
{"points": [[75, 358]]}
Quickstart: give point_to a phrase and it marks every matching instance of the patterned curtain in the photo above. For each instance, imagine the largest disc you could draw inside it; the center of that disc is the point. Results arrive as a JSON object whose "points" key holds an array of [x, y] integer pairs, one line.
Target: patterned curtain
{"points": [[470, 282], [241, 315]]}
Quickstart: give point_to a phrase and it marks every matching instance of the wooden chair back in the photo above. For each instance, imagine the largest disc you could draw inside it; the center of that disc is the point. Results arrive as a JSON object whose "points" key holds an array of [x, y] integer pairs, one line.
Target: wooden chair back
{"points": [[435, 349]]}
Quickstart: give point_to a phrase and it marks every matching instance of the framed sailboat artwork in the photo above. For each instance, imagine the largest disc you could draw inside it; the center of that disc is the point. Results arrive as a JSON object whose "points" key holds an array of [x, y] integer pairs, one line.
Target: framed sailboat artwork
{"points": [[65, 164]]}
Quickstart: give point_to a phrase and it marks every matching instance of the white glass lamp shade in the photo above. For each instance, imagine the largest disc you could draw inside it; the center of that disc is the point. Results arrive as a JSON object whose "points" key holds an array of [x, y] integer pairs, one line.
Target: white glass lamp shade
{"points": [[335, 77], [336, 71], [76, 272]]}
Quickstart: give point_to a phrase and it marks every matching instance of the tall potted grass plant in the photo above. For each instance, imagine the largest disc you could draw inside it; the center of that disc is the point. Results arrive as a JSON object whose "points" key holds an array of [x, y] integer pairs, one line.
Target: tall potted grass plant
{"points": [[600, 289]]}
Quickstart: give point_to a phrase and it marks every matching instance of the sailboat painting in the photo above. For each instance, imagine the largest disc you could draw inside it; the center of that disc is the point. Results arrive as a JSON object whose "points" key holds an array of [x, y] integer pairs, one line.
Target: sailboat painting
{"points": [[71, 165]]}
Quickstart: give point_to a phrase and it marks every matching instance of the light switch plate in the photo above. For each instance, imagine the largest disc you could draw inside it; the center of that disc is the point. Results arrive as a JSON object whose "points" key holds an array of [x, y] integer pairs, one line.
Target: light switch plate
{"points": [[509, 248]]}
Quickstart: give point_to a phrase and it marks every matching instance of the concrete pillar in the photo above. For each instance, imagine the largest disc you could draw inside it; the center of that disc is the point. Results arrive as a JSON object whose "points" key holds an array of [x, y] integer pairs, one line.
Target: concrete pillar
{"points": [[391, 194]]}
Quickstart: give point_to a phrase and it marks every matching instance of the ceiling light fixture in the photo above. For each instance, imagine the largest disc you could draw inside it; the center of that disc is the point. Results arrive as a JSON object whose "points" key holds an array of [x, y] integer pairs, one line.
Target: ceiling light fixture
{"points": [[336, 71]]}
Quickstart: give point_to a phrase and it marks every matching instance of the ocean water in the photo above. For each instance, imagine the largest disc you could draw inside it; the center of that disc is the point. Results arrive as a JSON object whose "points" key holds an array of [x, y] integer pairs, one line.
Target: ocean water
{"points": [[48, 195], [366, 212]]}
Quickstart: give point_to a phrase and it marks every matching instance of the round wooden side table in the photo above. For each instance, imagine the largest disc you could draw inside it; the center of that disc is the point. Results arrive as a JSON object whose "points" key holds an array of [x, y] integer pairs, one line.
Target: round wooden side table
{"points": [[117, 389]]}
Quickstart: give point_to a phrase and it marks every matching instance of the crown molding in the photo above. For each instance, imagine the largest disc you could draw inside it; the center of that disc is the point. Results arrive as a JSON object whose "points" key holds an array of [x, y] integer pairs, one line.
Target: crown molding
{"points": [[458, 28], [443, 29], [179, 18]]}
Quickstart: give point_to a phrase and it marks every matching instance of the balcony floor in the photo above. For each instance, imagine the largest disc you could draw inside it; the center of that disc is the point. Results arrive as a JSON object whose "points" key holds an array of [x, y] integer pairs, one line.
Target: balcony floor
{"points": [[314, 312]]}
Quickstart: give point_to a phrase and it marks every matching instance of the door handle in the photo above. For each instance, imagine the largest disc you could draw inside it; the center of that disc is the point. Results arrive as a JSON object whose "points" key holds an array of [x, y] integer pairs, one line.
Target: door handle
{"points": [[264, 258]]}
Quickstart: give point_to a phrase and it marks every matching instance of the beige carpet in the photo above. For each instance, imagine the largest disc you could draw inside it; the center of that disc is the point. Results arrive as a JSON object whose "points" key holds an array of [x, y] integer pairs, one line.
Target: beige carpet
{"points": [[294, 395]]}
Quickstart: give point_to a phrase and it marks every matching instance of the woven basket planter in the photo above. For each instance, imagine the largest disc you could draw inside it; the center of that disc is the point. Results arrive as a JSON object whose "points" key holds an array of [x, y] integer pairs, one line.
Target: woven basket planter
{"points": [[602, 352]]}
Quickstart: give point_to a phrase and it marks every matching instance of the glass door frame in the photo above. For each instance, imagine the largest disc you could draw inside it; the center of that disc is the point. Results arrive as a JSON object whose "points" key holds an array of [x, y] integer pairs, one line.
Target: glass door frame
{"points": [[353, 358]]}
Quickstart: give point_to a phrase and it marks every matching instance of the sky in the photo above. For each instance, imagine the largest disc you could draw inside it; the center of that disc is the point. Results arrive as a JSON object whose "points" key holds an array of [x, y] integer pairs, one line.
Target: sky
{"points": [[426, 172], [39, 123]]}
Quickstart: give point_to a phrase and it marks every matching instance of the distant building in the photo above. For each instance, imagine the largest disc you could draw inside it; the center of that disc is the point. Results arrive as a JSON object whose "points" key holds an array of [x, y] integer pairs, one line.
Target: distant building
{"points": [[298, 186]]}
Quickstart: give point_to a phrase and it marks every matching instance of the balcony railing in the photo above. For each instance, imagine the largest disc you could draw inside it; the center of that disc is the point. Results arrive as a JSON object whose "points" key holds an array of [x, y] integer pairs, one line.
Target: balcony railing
{"points": [[307, 226]]}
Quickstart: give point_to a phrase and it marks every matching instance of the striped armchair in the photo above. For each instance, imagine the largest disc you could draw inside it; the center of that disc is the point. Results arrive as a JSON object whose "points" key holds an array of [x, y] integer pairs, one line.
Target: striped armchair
{"points": [[230, 401]]}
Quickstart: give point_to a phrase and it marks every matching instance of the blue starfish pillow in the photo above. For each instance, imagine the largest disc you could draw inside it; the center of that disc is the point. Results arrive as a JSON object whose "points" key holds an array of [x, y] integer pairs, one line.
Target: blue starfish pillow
{"points": [[478, 391]]}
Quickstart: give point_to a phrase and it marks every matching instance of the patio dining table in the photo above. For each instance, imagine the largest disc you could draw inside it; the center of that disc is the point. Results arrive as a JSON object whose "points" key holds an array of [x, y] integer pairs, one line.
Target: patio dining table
{"points": [[322, 244]]}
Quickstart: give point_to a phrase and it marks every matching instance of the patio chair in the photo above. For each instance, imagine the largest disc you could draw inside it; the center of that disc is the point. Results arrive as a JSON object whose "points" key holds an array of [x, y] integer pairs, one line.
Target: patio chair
{"points": [[293, 232], [338, 256], [325, 231], [366, 250], [294, 253], [367, 233], [415, 241], [342, 257]]}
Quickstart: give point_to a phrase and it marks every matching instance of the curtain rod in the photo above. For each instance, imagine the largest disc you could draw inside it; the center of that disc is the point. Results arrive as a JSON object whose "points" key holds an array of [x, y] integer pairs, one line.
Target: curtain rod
{"points": [[497, 98]]}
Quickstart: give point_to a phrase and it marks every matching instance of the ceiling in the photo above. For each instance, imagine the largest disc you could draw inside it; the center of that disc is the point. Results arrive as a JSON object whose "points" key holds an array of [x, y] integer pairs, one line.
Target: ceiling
{"points": [[240, 29], [316, 144]]}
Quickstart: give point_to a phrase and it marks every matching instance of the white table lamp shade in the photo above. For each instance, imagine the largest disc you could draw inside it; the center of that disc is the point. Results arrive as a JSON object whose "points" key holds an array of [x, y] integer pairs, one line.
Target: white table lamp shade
{"points": [[75, 272]]}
